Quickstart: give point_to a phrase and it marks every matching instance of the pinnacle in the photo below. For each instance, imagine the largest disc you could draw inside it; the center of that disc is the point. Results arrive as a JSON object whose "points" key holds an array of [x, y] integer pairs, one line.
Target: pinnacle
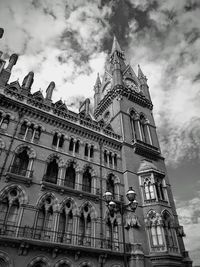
{"points": [[140, 73], [116, 46], [98, 80]]}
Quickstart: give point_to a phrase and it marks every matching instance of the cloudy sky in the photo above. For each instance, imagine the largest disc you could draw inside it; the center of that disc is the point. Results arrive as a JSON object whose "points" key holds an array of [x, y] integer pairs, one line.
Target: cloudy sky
{"points": [[67, 42]]}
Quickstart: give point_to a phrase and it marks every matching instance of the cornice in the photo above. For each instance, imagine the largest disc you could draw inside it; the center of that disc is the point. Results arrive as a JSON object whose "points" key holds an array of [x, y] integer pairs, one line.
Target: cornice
{"points": [[67, 121], [120, 90]]}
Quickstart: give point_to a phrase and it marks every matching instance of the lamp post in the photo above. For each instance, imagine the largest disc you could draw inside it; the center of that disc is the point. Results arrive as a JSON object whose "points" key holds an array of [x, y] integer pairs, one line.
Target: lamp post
{"points": [[114, 207]]}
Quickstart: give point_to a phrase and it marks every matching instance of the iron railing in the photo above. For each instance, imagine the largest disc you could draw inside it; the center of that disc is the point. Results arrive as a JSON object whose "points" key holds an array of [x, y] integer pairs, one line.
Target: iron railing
{"points": [[64, 238]]}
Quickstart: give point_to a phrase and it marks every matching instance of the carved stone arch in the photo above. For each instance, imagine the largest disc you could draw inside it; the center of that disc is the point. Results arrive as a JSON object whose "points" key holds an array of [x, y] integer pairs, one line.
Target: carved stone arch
{"points": [[42, 127], [2, 144], [116, 179], [59, 160], [92, 211], [30, 151], [171, 218], [132, 112], [39, 259], [74, 205], [63, 261], [54, 203], [25, 120], [142, 115], [85, 263], [5, 257], [75, 164], [92, 171], [22, 196]]}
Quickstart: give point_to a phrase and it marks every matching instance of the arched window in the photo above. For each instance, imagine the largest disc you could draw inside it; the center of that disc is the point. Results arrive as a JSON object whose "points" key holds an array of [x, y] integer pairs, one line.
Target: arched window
{"points": [[110, 186], [37, 133], [61, 141], [39, 264], [112, 234], [70, 176], [71, 144], [52, 171], [55, 139], [65, 226], [105, 157], [160, 190], [169, 230], [5, 122], [20, 163], [85, 227], [23, 129], [9, 211], [86, 150], [91, 151], [44, 222], [87, 180], [142, 128], [148, 190], [155, 228], [77, 145], [30, 132]]}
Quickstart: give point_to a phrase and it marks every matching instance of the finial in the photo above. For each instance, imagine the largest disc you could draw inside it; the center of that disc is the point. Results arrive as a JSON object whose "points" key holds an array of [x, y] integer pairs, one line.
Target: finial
{"points": [[49, 90], [12, 61], [28, 81]]}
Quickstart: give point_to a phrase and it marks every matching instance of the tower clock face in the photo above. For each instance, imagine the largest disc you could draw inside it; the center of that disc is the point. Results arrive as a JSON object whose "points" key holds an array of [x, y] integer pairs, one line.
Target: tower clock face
{"points": [[131, 85]]}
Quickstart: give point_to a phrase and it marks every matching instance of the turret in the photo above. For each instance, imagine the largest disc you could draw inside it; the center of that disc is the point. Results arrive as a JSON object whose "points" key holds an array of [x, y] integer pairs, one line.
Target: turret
{"points": [[97, 87], [143, 83], [49, 92], [5, 73], [27, 82]]}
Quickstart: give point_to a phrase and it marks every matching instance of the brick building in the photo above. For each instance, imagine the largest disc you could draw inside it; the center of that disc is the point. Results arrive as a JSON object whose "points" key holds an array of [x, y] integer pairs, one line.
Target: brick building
{"points": [[82, 189]]}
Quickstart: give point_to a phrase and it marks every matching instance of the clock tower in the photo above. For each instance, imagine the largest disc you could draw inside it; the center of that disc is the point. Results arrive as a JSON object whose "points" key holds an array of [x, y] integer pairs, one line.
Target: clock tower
{"points": [[123, 105]]}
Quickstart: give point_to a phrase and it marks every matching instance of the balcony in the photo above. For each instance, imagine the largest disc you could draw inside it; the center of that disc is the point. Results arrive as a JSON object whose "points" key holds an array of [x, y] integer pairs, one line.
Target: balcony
{"points": [[16, 174], [146, 150], [67, 240]]}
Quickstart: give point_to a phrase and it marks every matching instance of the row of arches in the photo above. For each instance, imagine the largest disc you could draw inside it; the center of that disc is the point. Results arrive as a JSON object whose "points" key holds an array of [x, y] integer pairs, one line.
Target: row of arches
{"points": [[68, 175], [43, 261], [63, 222], [161, 229], [140, 127]]}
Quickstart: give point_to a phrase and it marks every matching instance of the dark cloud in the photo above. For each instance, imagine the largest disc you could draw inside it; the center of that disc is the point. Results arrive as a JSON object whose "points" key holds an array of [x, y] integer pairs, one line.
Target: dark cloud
{"points": [[196, 78]]}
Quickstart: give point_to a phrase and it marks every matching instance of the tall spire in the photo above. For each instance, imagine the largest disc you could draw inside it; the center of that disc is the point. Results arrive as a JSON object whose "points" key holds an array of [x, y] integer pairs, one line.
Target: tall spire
{"points": [[98, 81], [116, 48]]}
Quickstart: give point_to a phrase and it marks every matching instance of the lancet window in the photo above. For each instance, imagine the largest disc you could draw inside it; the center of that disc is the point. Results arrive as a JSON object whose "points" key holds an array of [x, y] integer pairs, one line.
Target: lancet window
{"points": [[65, 226], [70, 175], [45, 219], [30, 131], [87, 180], [112, 233], [23, 161], [58, 140], [10, 206], [86, 225], [169, 230], [155, 231], [140, 127], [110, 158], [52, 171], [4, 121], [74, 145]]}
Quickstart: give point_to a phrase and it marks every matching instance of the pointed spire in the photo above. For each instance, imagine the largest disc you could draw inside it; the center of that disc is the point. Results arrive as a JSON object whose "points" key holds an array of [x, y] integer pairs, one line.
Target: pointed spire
{"points": [[140, 73], [28, 81], [116, 46], [98, 81], [49, 90]]}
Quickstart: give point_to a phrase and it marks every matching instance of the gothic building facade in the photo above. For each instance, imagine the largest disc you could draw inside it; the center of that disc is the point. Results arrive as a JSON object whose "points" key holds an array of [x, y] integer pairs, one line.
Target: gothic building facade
{"points": [[82, 189]]}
